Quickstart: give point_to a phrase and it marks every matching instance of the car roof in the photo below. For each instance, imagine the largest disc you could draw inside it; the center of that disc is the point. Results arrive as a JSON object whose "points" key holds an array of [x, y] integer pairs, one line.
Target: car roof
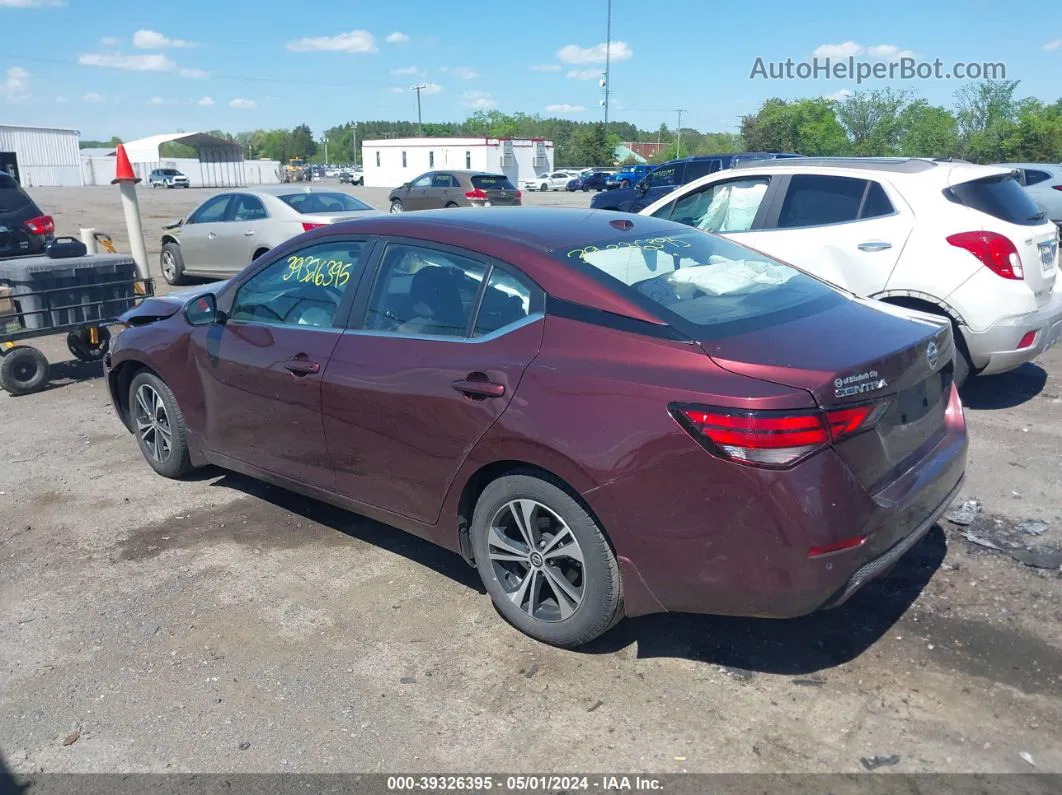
{"points": [[1054, 166], [285, 190], [899, 165]]}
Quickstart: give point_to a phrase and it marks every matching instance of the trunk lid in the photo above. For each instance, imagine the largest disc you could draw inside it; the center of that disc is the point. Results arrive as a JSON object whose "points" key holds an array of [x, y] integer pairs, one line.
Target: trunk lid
{"points": [[335, 218], [856, 352], [500, 192]]}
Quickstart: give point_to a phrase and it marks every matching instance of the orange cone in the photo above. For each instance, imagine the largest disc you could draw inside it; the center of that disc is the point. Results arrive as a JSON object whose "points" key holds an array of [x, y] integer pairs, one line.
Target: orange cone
{"points": [[123, 170]]}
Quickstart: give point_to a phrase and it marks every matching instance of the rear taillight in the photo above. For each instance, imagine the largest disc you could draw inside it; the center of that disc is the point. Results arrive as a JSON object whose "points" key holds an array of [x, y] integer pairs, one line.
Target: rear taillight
{"points": [[40, 225], [995, 251], [773, 438], [1057, 187], [519, 195], [306, 226], [476, 194]]}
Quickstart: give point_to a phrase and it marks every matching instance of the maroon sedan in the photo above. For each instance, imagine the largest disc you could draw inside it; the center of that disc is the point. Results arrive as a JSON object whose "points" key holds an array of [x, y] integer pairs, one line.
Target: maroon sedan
{"points": [[605, 416]]}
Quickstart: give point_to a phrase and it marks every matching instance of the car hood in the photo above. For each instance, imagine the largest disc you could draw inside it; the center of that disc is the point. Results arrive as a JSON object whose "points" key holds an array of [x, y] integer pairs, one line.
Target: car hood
{"points": [[159, 307]]}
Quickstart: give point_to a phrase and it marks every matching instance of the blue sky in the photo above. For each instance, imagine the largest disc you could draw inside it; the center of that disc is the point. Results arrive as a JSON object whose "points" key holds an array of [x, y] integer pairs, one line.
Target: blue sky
{"points": [[135, 68]]}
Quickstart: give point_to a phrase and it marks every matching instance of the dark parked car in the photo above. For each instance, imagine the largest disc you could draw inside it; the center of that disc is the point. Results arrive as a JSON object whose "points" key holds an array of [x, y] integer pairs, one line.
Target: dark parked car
{"points": [[24, 229], [446, 189], [606, 416], [666, 177], [627, 176], [588, 182]]}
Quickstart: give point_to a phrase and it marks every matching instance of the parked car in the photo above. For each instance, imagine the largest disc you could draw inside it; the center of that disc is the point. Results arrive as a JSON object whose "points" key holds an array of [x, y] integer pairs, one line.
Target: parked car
{"points": [[627, 176], [554, 180], [24, 229], [957, 240], [1043, 183], [592, 180], [167, 178], [353, 177], [748, 455], [666, 177], [228, 230], [447, 189]]}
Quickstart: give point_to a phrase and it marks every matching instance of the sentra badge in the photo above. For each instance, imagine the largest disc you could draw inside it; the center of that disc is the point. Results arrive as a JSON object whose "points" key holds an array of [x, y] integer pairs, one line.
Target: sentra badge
{"points": [[858, 384]]}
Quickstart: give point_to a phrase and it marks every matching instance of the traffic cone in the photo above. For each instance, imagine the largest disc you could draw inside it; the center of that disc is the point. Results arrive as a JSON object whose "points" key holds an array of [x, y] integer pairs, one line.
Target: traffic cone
{"points": [[123, 169]]}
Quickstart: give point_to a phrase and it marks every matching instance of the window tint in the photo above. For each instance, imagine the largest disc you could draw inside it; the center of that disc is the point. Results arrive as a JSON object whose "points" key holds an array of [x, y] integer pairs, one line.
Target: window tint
{"points": [[722, 207], [1001, 197], [665, 175], [814, 200], [303, 289], [422, 182], [1032, 177], [505, 301], [443, 181], [248, 208], [491, 182], [321, 202], [709, 281], [422, 291], [876, 203], [699, 168], [212, 211], [12, 197]]}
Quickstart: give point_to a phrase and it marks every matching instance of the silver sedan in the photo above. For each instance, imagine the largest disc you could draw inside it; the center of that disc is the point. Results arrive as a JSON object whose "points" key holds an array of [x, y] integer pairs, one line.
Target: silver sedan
{"points": [[230, 229]]}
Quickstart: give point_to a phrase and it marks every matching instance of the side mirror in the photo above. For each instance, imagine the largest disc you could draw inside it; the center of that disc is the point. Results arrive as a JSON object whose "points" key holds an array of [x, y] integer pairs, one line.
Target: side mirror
{"points": [[203, 310]]}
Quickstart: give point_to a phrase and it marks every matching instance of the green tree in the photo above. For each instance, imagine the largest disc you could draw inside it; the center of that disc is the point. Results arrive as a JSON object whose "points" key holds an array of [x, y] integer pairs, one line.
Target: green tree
{"points": [[591, 146], [986, 113], [804, 126], [1037, 135], [872, 120], [928, 131], [300, 143]]}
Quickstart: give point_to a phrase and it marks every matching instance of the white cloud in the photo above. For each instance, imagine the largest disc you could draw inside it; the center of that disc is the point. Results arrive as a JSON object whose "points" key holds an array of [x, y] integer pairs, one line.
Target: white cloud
{"points": [[585, 74], [839, 96], [195, 74], [92, 96], [564, 107], [156, 101], [29, 3], [135, 63], [15, 85], [356, 41], [573, 53], [110, 41], [397, 90], [889, 52], [406, 70], [844, 50], [853, 49], [153, 40], [431, 88], [1053, 45], [205, 102], [61, 99], [396, 38], [478, 100], [464, 72], [243, 104], [545, 67]]}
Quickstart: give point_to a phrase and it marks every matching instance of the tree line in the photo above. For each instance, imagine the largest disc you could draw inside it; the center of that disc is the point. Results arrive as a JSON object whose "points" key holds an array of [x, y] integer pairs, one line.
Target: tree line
{"points": [[987, 123]]}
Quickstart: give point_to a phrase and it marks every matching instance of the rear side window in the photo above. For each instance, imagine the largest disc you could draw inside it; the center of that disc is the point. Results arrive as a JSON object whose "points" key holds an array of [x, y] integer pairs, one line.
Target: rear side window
{"points": [[876, 203], [491, 182], [999, 196], [816, 200], [1032, 177], [664, 176]]}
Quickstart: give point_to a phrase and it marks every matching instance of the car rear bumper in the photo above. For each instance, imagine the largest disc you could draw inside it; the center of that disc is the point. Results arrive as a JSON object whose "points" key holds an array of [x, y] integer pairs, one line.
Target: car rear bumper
{"points": [[995, 350], [741, 548]]}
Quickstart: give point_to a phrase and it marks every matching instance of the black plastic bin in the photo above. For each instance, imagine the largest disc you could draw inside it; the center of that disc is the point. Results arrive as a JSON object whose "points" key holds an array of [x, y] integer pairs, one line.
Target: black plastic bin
{"points": [[70, 291]]}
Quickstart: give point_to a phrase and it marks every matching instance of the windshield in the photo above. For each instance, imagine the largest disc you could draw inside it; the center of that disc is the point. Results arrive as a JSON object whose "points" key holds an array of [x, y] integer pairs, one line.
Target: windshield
{"points": [[706, 280], [315, 203]]}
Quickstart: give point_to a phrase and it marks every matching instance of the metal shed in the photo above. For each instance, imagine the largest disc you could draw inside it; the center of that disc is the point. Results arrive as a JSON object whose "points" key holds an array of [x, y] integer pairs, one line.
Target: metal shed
{"points": [[220, 161], [41, 156]]}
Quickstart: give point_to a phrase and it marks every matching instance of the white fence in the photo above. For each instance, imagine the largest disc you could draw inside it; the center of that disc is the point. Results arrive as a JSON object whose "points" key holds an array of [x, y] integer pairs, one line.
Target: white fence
{"points": [[228, 174]]}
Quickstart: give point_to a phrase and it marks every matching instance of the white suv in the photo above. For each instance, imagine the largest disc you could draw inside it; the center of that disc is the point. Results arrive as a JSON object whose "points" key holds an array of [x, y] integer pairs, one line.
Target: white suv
{"points": [[954, 239]]}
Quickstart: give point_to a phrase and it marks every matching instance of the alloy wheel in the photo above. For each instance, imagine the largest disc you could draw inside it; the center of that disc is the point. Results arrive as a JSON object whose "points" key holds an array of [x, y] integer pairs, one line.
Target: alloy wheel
{"points": [[153, 423], [537, 560], [396, 207], [169, 266]]}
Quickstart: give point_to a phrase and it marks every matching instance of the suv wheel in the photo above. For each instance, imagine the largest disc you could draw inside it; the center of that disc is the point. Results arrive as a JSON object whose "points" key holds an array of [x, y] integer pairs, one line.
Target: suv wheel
{"points": [[545, 562], [172, 263]]}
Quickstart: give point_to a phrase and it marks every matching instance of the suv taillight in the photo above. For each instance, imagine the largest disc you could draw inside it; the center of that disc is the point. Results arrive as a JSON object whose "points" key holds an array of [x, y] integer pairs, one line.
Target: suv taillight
{"points": [[773, 439], [995, 251], [40, 225], [476, 194]]}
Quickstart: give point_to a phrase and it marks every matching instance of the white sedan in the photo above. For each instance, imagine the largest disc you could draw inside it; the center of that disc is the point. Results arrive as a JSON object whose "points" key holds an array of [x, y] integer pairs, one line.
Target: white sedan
{"points": [[556, 180]]}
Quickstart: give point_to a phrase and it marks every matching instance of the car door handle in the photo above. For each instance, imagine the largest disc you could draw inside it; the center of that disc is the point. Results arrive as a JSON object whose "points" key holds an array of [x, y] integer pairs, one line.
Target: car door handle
{"points": [[874, 245], [249, 233], [479, 388], [301, 367]]}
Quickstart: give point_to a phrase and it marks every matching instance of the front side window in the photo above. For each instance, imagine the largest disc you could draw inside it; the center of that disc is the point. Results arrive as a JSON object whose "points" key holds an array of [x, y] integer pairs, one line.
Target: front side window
{"points": [[248, 208], [729, 206], [212, 210], [422, 181], [422, 291], [303, 289]]}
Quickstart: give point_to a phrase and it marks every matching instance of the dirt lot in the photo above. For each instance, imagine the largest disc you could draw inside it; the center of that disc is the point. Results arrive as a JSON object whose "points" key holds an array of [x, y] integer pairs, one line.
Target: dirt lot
{"points": [[220, 625]]}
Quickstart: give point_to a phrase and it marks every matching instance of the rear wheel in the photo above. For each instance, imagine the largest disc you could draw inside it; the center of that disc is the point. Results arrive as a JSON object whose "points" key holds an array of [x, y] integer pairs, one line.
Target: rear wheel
{"points": [[159, 425], [586, 188], [545, 562], [543, 187], [449, 205], [172, 263], [396, 206], [23, 370]]}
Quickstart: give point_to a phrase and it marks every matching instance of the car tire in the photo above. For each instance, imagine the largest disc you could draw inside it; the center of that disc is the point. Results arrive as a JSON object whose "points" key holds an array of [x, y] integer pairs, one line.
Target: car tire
{"points": [[81, 346], [590, 600], [396, 206], [23, 370], [543, 187], [963, 368], [159, 426], [586, 188], [450, 205], [171, 262]]}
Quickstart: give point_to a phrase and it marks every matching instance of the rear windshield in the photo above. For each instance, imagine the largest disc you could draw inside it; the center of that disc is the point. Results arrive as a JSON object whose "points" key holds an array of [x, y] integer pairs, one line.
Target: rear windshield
{"points": [[1001, 197], [708, 281], [491, 182], [12, 197], [313, 203]]}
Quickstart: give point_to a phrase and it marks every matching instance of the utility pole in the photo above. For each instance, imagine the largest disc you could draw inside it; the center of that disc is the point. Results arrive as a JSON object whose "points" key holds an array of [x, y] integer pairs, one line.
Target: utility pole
{"points": [[608, 61], [326, 162], [678, 133], [418, 88]]}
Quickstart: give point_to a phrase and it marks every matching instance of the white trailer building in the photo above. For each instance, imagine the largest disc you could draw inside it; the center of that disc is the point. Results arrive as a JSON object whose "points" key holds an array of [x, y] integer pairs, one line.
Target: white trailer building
{"points": [[390, 162], [41, 156]]}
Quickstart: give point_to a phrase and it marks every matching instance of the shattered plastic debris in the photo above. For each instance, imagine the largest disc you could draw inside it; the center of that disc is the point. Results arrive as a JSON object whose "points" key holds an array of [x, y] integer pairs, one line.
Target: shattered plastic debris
{"points": [[1027, 757], [1032, 527], [874, 762], [965, 513]]}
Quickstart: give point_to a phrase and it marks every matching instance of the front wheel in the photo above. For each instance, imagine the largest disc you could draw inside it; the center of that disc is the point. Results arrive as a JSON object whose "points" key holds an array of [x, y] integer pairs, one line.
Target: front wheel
{"points": [[396, 206], [586, 188], [159, 425], [171, 261], [545, 562], [543, 187]]}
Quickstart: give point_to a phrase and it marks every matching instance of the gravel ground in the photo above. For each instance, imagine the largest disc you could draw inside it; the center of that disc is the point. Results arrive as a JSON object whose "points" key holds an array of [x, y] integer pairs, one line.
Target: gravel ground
{"points": [[219, 625]]}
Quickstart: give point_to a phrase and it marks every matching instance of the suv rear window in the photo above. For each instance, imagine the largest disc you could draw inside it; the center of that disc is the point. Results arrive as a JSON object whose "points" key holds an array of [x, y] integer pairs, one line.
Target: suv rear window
{"points": [[491, 182], [999, 196], [715, 284], [12, 197]]}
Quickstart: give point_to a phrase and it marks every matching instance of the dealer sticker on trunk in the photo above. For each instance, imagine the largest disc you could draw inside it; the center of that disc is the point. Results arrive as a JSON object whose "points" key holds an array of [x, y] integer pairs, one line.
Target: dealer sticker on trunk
{"points": [[858, 384]]}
